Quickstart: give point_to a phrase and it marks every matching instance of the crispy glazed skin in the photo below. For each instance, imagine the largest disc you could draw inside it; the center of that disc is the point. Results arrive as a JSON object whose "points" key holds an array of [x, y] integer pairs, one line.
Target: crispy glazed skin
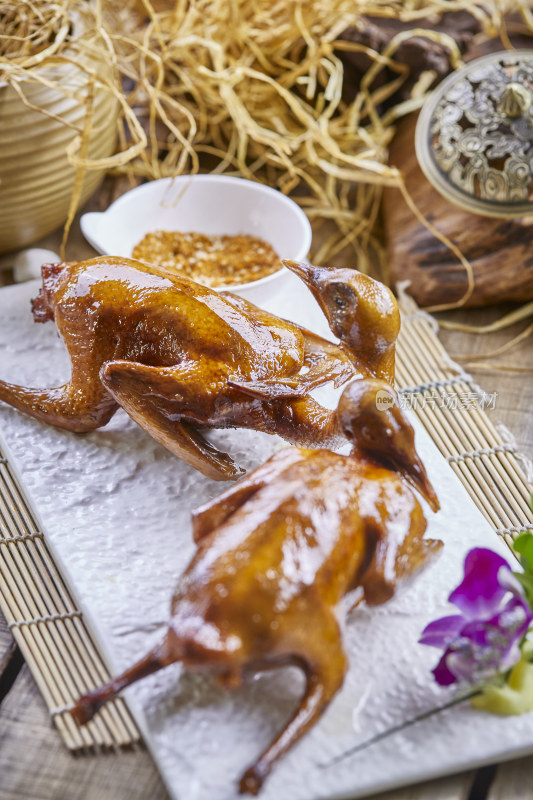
{"points": [[179, 356], [275, 555]]}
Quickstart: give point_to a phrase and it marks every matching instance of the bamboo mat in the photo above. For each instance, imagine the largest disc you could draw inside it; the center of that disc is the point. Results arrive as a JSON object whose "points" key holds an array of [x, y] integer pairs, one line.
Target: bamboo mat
{"points": [[49, 628], [452, 408]]}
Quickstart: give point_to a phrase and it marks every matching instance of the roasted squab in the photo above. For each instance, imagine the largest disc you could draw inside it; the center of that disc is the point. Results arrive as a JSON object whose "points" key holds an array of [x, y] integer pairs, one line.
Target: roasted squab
{"points": [[180, 357], [277, 553]]}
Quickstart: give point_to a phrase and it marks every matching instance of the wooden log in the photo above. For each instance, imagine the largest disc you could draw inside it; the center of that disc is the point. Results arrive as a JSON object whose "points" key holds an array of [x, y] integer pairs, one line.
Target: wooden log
{"points": [[499, 250], [419, 53]]}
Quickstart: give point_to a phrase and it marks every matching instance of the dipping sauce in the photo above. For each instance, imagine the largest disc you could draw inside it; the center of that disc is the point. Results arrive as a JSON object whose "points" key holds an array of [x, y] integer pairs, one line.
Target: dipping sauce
{"points": [[211, 260]]}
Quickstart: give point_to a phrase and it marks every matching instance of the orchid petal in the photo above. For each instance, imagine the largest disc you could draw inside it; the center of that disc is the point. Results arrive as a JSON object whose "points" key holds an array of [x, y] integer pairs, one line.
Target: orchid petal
{"points": [[480, 593], [462, 666], [512, 657], [514, 618], [441, 632], [510, 582], [443, 675]]}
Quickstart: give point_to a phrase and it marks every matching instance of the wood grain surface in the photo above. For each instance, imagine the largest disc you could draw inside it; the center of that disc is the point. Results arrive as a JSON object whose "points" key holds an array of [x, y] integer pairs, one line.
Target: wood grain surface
{"points": [[34, 765], [499, 250]]}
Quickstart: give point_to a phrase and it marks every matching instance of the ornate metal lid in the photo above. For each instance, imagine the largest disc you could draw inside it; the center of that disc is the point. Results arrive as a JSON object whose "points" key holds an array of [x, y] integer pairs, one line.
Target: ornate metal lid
{"points": [[474, 136]]}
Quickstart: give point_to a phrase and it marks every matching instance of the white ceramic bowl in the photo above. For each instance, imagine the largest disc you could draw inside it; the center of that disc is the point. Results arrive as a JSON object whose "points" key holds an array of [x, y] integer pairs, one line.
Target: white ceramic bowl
{"points": [[210, 204]]}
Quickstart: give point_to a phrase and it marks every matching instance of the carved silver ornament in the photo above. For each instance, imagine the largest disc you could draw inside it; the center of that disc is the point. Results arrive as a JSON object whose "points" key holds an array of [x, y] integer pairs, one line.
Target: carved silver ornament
{"points": [[474, 136]]}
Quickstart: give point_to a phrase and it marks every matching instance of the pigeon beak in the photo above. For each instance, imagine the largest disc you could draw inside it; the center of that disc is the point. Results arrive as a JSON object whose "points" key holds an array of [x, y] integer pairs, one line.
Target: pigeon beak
{"points": [[306, 272], [316, 279], [415, 473]]}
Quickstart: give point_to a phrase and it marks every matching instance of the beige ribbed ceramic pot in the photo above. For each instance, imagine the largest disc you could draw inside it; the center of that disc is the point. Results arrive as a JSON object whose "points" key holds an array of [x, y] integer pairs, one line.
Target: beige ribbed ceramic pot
{"points": [[36, 177]]}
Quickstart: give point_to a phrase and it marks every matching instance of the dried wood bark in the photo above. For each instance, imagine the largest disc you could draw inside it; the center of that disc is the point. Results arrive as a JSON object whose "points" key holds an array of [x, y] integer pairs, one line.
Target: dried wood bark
{"points": [[499, 250], [418, 53]]}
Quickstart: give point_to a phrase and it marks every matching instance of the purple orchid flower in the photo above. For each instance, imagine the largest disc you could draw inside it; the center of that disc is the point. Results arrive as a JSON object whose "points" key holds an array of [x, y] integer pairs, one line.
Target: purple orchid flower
{"points": [[484, 639]]}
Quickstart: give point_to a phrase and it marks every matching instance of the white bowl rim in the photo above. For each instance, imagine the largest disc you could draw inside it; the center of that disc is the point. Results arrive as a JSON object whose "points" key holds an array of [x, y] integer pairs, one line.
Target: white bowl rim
{"points": [[133, 194]]}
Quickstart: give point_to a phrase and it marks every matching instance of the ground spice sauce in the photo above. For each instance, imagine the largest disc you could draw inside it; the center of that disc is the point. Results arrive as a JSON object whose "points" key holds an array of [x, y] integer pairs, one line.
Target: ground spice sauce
{"points": [[211, 260]]}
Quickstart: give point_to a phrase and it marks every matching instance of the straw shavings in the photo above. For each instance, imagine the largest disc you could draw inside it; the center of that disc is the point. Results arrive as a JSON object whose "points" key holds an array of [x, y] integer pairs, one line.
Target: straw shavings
{"points": [[255, 88], [513, 317], [517, 315]]}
